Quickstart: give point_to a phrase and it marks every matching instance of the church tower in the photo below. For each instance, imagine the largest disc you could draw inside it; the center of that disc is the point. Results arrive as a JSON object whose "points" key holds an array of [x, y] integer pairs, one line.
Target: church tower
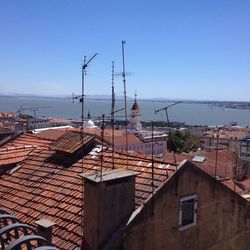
{"points": [[135, 116]]}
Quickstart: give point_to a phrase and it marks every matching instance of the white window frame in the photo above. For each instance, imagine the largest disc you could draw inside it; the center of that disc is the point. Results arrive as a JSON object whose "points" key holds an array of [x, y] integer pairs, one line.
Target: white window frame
{"points": [[185, 198]]}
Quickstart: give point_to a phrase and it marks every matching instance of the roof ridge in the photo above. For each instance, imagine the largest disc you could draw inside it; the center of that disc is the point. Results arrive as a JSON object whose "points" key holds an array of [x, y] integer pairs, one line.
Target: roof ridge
{"points": [[18, 147]]}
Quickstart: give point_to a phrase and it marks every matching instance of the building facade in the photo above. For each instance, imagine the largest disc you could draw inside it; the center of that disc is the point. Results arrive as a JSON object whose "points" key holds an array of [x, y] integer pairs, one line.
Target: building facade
{"points": [[190, 211], [244, 171]]}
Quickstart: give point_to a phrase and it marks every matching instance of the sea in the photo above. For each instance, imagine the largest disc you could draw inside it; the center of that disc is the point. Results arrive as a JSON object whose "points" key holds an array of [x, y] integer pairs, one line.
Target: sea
{"points": [[188, 113]]}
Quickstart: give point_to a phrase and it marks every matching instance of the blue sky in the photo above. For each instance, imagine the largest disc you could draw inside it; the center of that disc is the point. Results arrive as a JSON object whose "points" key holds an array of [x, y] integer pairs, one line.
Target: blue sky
{"points": [[195, 49]]}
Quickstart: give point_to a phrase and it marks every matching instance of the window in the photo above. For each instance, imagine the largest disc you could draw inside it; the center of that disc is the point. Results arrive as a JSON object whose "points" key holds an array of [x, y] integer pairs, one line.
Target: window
{"points": [[187, 211]]}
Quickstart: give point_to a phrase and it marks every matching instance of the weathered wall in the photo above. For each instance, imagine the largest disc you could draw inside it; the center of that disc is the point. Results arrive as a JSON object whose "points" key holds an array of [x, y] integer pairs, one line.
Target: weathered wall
{"points": [[222, 217], [116, 203]]}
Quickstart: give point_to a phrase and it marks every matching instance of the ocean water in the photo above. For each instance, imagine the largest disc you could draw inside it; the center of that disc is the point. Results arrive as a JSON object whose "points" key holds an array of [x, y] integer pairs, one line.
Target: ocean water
{"points": [[190, 113]]}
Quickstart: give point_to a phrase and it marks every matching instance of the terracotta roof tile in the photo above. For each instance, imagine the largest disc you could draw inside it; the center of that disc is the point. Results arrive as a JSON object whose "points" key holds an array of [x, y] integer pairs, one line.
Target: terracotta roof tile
{"points": [[233, 186], [227, 133], [226, 161], [51, 134], [14, 154], [246, 184], [119, 135], [28, 139], [42, 188], [71, 141]]}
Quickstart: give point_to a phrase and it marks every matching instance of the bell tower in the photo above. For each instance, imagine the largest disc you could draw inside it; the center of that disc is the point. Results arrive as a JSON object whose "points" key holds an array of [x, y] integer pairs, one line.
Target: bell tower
{"points": [[135, 116]]}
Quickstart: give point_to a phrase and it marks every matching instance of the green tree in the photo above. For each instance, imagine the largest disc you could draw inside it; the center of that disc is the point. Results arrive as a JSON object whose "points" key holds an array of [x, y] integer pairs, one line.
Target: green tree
{"points": [[183, 142]]}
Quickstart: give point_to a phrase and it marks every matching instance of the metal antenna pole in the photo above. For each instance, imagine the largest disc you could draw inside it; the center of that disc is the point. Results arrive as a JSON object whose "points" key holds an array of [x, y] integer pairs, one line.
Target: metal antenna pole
{"points": [[34, 119], [102, 136], [113, 114], [34, 109], [83, 83], [170, 134], [125, 94], [81, 99], [168, 123], [84, 67], [216, 153], [236, 170], [152, 165]]}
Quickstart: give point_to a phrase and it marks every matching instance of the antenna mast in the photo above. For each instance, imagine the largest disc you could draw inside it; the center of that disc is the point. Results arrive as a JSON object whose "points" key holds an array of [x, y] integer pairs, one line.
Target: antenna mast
{"points": [[152, 165], [102, 145], [125, 94], [168, 123], [34, 109], [113, 114], [84, 67], [216, 153], [81, 100]]}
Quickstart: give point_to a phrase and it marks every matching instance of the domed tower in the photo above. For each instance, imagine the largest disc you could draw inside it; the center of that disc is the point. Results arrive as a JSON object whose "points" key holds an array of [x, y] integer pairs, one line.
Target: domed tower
{"points": [[135, 116]]}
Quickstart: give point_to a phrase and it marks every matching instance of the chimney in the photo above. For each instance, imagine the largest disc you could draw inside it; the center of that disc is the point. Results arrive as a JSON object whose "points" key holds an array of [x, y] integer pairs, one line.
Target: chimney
{"points": [[109, 200], [44, 229]]}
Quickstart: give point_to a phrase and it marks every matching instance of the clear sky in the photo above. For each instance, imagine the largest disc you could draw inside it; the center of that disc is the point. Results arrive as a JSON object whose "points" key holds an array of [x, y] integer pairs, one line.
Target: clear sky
{"points": [[187, 49]]}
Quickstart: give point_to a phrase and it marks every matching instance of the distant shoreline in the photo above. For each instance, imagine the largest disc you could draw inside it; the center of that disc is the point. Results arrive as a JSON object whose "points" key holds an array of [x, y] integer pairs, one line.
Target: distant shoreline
{"points": [[221, 104]]}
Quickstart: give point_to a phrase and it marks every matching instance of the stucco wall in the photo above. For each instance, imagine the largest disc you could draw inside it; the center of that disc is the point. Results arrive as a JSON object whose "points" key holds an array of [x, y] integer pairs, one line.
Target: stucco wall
{"points": [[222, 217]]}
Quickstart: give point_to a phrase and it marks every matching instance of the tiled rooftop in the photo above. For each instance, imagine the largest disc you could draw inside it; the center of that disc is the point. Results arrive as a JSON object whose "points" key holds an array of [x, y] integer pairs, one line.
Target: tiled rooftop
{"points": [[29, 139], [42, 188], [119, 135], [226, 161], [246, 184], [14, 154], [228, 133], [51, 134], [71, 141], [19, 149], [232, 185], [7, 115]]}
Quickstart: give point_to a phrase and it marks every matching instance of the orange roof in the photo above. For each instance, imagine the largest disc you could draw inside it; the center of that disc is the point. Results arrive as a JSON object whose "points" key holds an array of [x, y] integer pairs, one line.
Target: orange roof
{"points": [[44, 188], [226, 161], [228, 134], [18, 149], [7, 115], [71, 141], [246, 183], [119, 135], [28, 139], [51, 134], [14, 155], [232, 185]]}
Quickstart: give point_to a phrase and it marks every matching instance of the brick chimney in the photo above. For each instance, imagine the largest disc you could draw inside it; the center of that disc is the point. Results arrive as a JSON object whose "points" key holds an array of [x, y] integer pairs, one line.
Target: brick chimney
{"points": [[44, 229], [108, 202]]}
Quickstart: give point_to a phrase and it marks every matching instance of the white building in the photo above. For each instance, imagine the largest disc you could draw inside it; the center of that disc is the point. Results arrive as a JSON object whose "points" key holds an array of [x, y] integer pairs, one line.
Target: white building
{"points": [[135, 117]]}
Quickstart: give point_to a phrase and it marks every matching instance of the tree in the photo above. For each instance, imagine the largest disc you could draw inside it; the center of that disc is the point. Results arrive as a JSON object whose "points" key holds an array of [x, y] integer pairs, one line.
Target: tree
{"points": [[183, 142]]}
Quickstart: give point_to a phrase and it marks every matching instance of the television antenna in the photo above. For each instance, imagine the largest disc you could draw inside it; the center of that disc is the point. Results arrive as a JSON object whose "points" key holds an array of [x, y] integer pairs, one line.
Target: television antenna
{"points": [[152, 164], [113, 114], [34, 109], [81, 100], [168, 123], [81, 97], [216, 152], [124, 74]]}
